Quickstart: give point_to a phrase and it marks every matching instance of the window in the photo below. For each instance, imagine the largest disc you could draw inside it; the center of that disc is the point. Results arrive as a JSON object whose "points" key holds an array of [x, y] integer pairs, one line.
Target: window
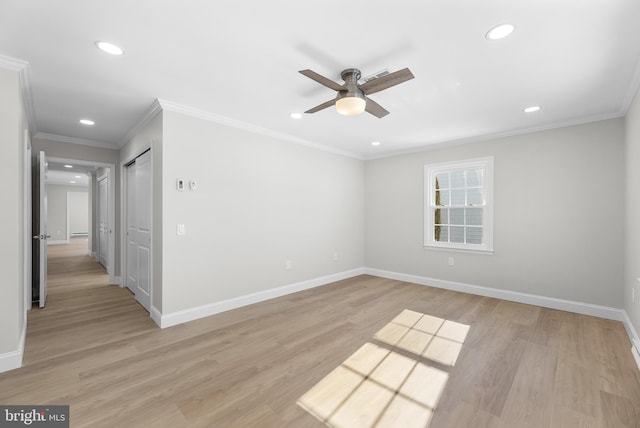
{"points": [[459, 205]]}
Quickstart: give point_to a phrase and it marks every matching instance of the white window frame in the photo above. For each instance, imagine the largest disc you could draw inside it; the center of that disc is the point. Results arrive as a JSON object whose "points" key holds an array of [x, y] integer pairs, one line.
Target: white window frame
{"points": [[430, 172]]}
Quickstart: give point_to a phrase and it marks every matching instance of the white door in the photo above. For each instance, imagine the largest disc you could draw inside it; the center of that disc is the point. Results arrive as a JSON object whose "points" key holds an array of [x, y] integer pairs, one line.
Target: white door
{"points": [[39, 277], [103, 221], [139, 229]]}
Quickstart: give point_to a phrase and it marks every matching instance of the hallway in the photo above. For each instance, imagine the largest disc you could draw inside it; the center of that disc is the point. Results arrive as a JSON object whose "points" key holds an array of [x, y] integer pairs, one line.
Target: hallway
{"points": [[79, 296]]}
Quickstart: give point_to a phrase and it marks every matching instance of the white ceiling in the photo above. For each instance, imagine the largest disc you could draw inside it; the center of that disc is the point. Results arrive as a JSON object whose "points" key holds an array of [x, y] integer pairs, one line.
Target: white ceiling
{"points": [[577, 59], [77, 175]]}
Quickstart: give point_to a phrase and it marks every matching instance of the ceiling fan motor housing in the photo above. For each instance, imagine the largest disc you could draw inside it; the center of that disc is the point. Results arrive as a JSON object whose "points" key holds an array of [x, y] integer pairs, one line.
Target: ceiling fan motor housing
{"points": [[350, 77]]}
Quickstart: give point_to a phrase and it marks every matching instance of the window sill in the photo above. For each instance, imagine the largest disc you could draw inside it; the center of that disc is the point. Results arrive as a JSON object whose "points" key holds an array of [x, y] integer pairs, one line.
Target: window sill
{"points": [[459, 250]]}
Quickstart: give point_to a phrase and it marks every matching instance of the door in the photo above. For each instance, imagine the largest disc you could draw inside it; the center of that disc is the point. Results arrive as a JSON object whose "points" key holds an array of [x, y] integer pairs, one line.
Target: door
{"points": [[103, 221], [39, 278], [138, 217]]}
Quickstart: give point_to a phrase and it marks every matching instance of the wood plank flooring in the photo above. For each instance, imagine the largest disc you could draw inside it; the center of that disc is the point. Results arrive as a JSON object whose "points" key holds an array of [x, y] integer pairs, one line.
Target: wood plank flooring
{"points": [[94, 348]]}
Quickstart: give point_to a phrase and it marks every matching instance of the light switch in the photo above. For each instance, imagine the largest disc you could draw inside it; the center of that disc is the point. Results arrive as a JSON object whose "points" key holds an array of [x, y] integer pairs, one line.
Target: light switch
{"points": [[180, 230]]}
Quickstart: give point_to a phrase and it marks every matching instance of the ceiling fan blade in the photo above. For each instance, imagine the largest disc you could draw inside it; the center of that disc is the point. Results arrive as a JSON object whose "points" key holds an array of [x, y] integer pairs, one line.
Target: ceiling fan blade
{"points": [[322, 80], [384, 82], [321, 106], [375, 109]]}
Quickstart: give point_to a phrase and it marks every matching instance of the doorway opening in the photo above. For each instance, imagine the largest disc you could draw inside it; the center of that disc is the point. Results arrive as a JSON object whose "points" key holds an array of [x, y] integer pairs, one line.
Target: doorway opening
{"points": [[70, 208]]}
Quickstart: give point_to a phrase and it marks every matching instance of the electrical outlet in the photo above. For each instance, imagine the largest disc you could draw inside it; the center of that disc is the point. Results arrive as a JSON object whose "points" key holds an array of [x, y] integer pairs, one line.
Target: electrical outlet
{"points": [[335, 256], [451, 261], [288, 265], [633, 294]]}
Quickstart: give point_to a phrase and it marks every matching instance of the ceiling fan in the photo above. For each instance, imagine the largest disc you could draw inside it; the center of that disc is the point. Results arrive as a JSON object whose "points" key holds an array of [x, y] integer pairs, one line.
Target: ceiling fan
{"points": [[352, 96]]}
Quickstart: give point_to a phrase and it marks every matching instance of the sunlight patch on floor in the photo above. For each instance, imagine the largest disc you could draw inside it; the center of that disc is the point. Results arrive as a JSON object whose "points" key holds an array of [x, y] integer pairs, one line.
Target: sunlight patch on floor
{"points": [[382, 386]]}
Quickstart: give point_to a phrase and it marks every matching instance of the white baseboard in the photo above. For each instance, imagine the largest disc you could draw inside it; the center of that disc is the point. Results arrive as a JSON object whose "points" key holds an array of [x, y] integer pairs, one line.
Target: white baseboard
{"points": [[156, 316], [179, 317], [513, 296], [57, 242], [13, 360], [633, 336]]}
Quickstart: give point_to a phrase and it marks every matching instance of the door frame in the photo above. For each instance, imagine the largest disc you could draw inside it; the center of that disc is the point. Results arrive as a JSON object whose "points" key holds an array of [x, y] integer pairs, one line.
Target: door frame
{"points": [[99, 180], [28, 240], [123, 216], [112, 211]]}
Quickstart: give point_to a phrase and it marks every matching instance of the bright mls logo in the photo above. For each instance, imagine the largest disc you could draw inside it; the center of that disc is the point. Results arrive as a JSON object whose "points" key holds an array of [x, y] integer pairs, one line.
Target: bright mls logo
{"points": [[34, 416]]}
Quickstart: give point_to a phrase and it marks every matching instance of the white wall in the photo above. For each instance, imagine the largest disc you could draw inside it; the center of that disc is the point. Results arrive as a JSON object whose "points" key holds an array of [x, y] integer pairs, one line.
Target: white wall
{"points": [[78, 212], [558, 223], [57, 197], [259, 202], [12, 311], [632, 231]]}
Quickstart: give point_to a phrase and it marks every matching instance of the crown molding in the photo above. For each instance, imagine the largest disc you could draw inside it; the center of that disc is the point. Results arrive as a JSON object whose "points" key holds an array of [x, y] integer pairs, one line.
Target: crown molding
{"points": [[151, 112], [23, 68], [234, 123], [27, 98], [634, 86], [497, 135], [13, 64], [74, 140]]}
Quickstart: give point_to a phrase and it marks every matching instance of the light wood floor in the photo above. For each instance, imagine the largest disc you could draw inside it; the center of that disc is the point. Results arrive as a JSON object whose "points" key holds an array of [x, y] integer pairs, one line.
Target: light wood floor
{"points": [[95, 348]]}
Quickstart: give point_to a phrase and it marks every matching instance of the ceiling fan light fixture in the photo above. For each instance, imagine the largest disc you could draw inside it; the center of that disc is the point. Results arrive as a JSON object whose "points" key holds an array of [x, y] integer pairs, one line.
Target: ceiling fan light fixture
{"points": [[351, 105]]}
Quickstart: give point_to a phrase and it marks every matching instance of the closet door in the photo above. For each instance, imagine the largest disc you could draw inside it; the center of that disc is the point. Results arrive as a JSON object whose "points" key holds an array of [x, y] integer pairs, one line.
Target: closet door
{"points": [[139, 229]]}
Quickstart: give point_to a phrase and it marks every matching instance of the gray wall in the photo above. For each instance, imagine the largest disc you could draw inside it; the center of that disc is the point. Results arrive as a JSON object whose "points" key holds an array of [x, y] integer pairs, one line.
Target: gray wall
{"points": [[558, 218], [632, 232], [259, 202], [57, 197], [12, 126]]}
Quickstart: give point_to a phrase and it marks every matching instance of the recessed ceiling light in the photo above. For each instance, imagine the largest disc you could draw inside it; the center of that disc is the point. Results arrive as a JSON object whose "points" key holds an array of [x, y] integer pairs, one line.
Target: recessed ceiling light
{"points": [[500, 31], [532, 109], [109, 48], [77, 176], [87, 122], [375, 143], [68, 166], [295, 115], [72, 182]]}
